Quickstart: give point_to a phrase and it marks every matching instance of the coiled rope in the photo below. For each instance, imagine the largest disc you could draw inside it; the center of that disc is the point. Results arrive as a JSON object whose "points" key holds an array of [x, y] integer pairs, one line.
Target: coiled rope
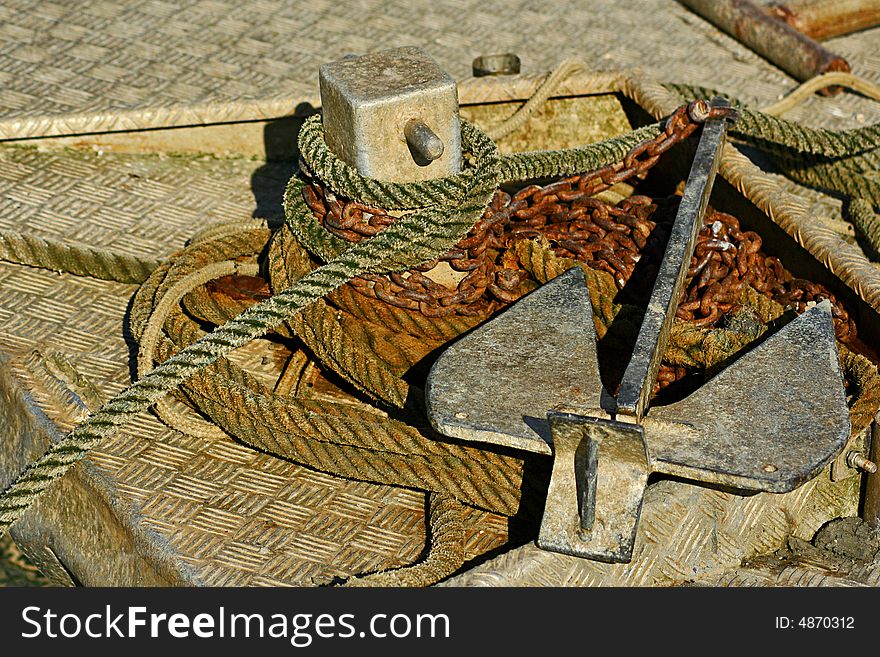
{"points": [[445, 210], [346, 441]]}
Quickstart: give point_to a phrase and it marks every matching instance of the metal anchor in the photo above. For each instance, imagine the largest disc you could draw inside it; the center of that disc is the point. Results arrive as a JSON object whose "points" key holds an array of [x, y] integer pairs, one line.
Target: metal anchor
{"points": [[768, 422]]}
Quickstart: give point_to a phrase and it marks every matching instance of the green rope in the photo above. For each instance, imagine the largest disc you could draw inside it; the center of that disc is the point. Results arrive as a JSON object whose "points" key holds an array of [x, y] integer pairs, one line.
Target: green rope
{"points": [[455, 204], [444, 216], [79, 259], [552, 164], [861, 213], [776, 134], [846, 162], [441, 212], [847, 177]]}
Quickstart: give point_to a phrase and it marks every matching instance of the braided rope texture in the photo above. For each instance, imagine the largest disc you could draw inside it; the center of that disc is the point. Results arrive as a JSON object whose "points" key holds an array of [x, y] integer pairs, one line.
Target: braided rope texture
{"points": [[416, 237], [219, 511], [689, 346], [79, 259]]}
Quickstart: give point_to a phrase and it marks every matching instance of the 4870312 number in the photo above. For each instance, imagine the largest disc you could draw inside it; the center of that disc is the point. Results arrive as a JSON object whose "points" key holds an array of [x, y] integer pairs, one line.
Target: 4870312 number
{"points": [[816, 623]]}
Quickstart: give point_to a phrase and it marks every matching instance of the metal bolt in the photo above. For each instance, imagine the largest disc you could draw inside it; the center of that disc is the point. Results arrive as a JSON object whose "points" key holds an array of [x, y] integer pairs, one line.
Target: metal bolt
{"points": [[425, 144], [859, 461]]}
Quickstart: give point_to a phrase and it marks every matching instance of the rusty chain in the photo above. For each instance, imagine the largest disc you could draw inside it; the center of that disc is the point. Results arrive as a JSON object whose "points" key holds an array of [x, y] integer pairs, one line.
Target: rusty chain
{"points": [[474, 283], [480, 275]]}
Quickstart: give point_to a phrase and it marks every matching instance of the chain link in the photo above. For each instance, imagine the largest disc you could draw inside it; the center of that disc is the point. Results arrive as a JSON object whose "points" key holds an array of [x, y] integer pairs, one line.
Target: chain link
{"points": [[627, 240], [482, 283]]}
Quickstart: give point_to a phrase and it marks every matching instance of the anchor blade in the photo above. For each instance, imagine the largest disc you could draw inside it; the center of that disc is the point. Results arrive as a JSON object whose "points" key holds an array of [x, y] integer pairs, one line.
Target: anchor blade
{"points": [[769, 422], [497, 383]]}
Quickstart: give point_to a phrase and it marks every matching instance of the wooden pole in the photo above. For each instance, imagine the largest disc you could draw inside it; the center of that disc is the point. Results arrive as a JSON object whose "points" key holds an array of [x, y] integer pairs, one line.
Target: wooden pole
{"points": [[823, 19]]}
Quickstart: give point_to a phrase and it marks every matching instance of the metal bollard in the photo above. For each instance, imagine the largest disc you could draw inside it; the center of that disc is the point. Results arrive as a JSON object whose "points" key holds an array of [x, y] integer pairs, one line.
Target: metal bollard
{"points": [[393, 115]]}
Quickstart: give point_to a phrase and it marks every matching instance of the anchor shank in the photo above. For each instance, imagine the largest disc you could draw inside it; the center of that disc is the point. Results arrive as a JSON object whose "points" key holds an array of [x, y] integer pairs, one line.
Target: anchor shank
{"points": [[640, 374]]}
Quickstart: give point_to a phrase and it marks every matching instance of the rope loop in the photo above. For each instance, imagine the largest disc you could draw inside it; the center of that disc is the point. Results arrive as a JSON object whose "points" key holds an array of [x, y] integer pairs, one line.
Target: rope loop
{"points": [[345, 180], [442, 209]]}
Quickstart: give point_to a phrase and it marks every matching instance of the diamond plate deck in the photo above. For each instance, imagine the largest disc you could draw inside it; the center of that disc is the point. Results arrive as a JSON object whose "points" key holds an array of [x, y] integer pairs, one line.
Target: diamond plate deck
{"points": [[96, 66], [218, 512]]}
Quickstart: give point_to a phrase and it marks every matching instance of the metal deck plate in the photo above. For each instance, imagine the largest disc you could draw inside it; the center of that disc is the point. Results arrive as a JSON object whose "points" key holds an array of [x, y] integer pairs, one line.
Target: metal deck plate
{"points": [[152, 506], [94, 66]]}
